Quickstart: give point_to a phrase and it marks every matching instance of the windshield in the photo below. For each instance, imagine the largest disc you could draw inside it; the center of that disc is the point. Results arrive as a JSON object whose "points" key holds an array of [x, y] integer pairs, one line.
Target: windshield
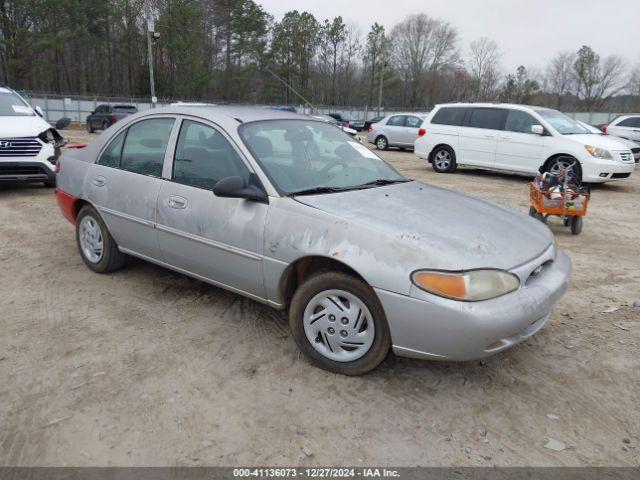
{"points": [[11, 105], [303, 155], [561, 123]]}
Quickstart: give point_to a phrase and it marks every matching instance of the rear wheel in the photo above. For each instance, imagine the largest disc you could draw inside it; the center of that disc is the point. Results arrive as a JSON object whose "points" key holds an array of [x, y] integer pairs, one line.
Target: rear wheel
{"points": [[90, 128], [444, 160], [105, 125], [339, 324], [382, 143], [97, 248]]}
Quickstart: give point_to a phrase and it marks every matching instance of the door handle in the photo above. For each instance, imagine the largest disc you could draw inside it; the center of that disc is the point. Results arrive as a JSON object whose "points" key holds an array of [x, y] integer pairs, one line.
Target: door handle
{"points": [[490, 135], [99, 181], [506, 137], [179, 203]]}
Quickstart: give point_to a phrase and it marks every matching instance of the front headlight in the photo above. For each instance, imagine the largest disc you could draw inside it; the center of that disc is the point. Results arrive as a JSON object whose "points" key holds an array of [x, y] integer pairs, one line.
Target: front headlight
{"points": [[598, 152], [471, 286]]}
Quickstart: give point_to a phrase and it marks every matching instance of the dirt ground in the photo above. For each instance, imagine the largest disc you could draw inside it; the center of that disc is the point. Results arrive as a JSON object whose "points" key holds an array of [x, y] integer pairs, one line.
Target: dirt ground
{"points": [[148, 367]]}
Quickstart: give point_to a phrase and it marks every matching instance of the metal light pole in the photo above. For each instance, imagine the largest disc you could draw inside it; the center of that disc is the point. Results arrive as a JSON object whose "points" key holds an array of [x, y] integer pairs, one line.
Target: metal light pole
{"points": [[384, 65], [150, 32]]}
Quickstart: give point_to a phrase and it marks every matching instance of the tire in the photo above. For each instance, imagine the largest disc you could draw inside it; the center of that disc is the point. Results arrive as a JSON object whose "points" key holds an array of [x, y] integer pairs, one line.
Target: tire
{"points": [[560, 163], [576, 225], [364, 323], [110, 258], [566, 221], [382, 143], [532, 212], [105, 125], [90, 129], [443, 159]]}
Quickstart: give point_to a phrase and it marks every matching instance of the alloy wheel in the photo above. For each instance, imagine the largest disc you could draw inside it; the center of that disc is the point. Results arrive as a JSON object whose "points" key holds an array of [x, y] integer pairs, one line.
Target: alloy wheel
{"points": [[442, 159]]}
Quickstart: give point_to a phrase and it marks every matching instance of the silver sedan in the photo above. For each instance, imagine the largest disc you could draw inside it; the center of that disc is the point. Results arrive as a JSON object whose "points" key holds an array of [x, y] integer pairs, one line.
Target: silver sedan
{"points": [[294, 213]]}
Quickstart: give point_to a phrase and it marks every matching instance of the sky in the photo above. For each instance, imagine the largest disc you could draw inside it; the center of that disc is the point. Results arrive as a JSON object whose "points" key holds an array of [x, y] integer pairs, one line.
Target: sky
{"points": [[528, 32]]}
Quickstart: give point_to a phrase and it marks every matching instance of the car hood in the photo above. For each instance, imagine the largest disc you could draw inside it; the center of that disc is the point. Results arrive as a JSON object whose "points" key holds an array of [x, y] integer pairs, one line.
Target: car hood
{"points": [[31, 126], [596, 140], [441, 229]]}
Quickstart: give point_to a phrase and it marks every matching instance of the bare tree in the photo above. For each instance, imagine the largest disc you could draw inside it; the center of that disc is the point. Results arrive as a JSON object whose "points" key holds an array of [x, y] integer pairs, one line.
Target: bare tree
{"points": [[421, 47], [484, 63], [598, 80], [560, 77]]}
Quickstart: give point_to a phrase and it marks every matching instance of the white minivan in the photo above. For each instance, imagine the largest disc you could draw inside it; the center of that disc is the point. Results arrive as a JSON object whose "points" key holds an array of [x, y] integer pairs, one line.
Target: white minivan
{"points": [[518, 138]]}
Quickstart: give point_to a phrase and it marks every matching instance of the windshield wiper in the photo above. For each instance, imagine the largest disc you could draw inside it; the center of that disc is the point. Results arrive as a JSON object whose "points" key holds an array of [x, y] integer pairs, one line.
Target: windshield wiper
{"points": [[380, 182], [317, 190]]}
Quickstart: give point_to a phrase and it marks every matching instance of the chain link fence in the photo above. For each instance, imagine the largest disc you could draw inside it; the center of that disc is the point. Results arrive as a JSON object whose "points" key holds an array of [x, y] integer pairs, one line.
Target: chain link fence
{"points": [[77, 108]]}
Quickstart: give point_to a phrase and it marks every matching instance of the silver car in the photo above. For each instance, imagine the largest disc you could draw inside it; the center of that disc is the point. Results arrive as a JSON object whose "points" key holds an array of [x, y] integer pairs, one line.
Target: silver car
{"points": [[292, 212], [398, 130]]}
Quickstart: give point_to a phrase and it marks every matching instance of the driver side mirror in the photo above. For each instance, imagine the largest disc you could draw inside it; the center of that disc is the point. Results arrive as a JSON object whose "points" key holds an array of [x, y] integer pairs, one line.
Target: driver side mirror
{"points": [[39, 111], [537, 129], [236, 187]]}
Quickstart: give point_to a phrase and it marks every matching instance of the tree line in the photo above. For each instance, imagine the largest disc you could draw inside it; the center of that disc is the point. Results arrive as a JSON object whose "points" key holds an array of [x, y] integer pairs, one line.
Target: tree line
{"points": [[235, 51]]}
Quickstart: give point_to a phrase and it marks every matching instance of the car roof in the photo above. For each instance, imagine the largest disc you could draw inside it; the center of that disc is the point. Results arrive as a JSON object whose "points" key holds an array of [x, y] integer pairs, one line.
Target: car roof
{"points": [[493, 105], [242, 114]]}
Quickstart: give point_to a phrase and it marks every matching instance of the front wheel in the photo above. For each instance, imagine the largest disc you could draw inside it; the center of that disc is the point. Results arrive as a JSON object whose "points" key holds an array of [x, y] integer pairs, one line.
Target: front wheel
{"points": [[97, 248], [444, 160], [339, 324], [90, 128]]}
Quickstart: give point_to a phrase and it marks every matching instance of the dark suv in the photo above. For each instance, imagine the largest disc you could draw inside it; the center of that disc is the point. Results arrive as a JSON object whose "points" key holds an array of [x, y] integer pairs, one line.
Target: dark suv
{"points": [[106, 115]]}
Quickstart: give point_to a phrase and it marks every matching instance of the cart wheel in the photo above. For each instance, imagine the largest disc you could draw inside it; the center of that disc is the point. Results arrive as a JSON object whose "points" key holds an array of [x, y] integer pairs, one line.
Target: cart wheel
{"points": [[532, 212], [542, 217], [576, 225], [566, 221]]}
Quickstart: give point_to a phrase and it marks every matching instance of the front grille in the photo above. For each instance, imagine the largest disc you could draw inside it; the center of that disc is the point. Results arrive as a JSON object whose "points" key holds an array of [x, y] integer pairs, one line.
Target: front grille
{"points": [[626, 156], [620, 175], [14, 170], [19, 147]]}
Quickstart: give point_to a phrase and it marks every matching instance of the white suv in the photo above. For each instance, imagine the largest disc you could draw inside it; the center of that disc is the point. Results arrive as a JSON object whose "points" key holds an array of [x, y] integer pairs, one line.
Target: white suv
{"points": [[29, 147], [518, 138], [626, 126]]}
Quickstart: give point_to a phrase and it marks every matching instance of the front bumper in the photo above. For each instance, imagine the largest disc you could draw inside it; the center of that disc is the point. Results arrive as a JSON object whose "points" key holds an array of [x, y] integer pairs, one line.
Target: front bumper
{"points": [[40, 168], [594, 170], [444, 329]]}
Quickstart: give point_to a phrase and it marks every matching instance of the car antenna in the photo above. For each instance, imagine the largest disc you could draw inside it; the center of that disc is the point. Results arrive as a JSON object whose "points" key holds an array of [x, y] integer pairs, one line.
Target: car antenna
{"points": [[307, 102]]}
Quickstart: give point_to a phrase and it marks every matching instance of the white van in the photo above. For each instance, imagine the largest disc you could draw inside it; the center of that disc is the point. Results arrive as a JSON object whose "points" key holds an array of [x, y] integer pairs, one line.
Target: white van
{"points": [[520, 139], [29, 147]]}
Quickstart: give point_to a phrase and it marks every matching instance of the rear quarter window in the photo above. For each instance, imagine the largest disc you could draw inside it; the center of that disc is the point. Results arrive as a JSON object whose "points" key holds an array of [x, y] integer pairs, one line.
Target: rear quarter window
{"points": [[632, 122], [450, 116]]}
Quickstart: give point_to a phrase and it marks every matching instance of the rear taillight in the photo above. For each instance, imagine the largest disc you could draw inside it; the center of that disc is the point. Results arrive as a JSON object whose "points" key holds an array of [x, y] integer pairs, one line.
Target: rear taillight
{"points": [[604, 129], [56, 167], [346, 124], [370, 128], [422, 132], [113, 119]]}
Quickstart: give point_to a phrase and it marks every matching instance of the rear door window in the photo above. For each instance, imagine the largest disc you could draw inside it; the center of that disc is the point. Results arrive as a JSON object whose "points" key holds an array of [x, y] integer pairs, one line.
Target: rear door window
{"points": [[397, 121], [489, 118], [520, 122], [111, 155], [450, 116], [145, 146]]}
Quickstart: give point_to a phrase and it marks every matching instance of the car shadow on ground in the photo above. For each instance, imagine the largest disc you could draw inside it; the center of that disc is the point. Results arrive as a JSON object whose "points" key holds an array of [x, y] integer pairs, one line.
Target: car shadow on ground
{"points": [[274, 326]]}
